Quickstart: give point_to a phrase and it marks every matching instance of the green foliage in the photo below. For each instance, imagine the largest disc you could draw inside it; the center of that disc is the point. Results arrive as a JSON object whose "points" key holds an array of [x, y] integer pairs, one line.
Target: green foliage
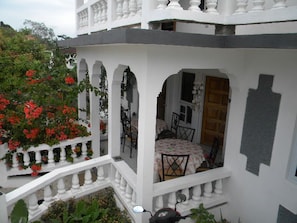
{"points": [[19, 213], [201, 215], [38, 93], [99, 208]]}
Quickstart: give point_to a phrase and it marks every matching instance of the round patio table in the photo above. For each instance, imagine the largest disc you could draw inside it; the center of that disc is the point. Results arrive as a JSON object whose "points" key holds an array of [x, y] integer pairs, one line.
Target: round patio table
{"points": [[179, 147]]}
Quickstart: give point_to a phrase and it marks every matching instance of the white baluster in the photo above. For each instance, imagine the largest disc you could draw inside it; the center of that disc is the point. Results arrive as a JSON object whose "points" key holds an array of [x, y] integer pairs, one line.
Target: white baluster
{"points": [[133, 201], [194, 5], [73, 155], [172, 200], [125, 8], [174, 5], [100, 173], [279, 4], [162, 4], [104, 11], [88, 178], [123, 185], [33, 205], [212, 6], [241, 7], [75, 183], [207, 190], [61, 187], [132, 8], [258, 6], [38, 157], [196, 194], [159, 203], [86, 18], [117, 178], [47, 195], [139, 7], [119, 10], [187, 194], [219, 187], [62, 154], [26, 159], [15, 161], [84, 149], [50, 157], [128, 194], [95, 9]]}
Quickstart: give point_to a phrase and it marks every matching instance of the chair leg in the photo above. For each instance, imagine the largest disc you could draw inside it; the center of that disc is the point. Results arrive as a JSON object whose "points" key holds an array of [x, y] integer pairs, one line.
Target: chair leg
{"points": [[124, 143], [131, 151]]}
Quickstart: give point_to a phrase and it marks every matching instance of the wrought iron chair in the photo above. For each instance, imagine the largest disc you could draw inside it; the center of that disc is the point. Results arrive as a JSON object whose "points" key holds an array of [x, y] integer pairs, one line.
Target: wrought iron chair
{"points": [[129, 132], [209, 162], [166, 134], [174, 122], [173, 166], [185, 133]]}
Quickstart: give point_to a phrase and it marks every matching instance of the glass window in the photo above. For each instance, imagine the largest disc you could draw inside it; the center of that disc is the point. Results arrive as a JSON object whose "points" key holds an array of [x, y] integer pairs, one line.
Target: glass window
{"points": [[187, 87]]}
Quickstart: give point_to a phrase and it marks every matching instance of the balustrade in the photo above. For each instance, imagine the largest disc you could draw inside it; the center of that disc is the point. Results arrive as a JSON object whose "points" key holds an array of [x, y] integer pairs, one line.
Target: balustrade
{"points": [[206, 188], [87, 177], [122, 12], [61, 185], [49, 157]]}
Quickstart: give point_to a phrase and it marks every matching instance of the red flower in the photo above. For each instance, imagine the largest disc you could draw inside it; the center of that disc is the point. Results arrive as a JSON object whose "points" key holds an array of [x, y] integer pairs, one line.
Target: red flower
{"points": [[49, 132], [34, 174], [36, 167], [31, 110], [68, 110], [30, 73], [62, 136], [31, 134], [13, 145], [3, 102], [14, 120], [69, 80]]}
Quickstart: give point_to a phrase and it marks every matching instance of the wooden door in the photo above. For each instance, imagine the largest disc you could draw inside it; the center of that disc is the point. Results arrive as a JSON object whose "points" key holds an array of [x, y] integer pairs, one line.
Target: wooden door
{"points": [[161, 100], [215, 110]]}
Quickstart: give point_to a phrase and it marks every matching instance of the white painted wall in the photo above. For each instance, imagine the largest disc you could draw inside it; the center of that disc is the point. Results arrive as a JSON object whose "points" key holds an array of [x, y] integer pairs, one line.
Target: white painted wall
{"points": [[252, 198]]}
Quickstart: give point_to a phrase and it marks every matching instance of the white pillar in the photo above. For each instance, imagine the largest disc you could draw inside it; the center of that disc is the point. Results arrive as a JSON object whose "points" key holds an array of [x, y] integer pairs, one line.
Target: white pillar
{"points": [[226, 7], [3, 209]]}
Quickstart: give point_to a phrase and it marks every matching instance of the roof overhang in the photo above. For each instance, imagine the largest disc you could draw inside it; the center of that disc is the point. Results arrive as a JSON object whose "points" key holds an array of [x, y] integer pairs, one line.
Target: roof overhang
{"points": [[159, 37]]}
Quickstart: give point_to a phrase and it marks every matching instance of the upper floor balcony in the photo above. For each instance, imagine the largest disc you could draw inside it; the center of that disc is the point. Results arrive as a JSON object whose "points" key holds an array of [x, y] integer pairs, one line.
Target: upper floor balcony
{"points": [[195, 16]]}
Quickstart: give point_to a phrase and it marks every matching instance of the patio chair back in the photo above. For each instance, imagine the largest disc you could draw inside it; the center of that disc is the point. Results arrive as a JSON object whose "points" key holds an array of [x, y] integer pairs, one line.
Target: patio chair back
{"points": [[173, 166], [185, 133], [174, 122]]}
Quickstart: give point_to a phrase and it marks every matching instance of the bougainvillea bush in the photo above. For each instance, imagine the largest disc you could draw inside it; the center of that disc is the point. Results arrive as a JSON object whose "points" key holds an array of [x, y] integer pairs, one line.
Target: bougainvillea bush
{"points": [[38, 94]]}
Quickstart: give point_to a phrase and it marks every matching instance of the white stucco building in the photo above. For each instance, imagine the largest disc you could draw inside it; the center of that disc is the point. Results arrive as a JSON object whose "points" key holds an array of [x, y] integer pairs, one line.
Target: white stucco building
{"points": [[244, 53]]}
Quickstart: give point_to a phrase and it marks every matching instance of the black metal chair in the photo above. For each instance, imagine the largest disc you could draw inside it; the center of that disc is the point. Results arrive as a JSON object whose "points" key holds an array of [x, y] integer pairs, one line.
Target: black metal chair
{"points": [[129, 132], [173, 166], [209, 162], [185, 133], [174, 122], [166, 134]]}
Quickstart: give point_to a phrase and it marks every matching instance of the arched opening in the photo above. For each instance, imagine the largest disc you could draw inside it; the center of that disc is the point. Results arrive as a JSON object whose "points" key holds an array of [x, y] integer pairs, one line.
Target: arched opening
{"points": [[129, 116]]}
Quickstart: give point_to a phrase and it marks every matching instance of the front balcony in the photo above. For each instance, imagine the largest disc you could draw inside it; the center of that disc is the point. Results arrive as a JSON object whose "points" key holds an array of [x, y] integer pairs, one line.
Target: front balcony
{"points": [[99, 15], [93, 175]]}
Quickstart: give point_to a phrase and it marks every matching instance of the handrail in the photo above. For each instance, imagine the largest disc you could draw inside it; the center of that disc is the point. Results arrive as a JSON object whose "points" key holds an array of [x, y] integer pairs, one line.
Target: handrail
{"points": [[51, 177], [99, 15], [123, 180]]}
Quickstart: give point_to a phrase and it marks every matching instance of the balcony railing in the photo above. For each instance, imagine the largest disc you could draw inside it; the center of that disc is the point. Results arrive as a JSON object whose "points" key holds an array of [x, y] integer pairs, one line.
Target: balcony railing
{"points": [[51, 157], [98, 15], [87, 177]]}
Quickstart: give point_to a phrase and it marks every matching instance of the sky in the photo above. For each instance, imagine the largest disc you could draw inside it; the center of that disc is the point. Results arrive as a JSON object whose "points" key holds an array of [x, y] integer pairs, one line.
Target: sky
{"points": [[56, 14]]}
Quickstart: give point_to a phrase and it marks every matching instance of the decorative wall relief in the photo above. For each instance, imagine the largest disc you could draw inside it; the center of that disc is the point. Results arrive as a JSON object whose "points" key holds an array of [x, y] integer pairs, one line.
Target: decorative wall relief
{"points": [[284, 215], [259, 124]]}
